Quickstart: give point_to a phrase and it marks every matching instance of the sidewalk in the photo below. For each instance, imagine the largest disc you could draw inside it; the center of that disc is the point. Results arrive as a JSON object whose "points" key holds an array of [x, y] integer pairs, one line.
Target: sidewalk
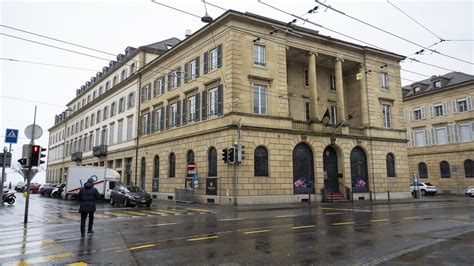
{"points": [[305, 205]]}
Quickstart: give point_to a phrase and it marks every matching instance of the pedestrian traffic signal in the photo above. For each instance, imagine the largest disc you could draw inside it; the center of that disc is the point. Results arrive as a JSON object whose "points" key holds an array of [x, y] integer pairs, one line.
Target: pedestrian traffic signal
{"points": [[36, 155], [231, 155], [240, 153], [224, 155], [23, 161]]}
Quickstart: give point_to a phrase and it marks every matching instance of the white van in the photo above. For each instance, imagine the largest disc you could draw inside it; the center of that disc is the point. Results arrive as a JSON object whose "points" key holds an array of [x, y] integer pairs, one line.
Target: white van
{"points": [[104, 179]]}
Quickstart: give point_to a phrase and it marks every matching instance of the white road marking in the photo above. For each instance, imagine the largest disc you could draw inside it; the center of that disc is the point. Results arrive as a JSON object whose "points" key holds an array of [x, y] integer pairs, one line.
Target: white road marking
{"points": [[286, 216], [230, 219], [164, 224]]}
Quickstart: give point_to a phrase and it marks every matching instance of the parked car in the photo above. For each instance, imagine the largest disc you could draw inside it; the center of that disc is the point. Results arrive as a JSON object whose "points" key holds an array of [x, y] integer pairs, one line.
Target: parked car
{"points": [[58, 190], [47, 189], [129, 195], [20, 186], [34, 187], [469, 191], [425, 188]]}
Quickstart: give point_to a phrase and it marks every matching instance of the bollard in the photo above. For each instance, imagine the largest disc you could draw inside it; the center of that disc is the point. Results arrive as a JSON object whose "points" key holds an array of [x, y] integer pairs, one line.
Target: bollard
{"points": [[352, 197], [388, 195], [25, 193]]}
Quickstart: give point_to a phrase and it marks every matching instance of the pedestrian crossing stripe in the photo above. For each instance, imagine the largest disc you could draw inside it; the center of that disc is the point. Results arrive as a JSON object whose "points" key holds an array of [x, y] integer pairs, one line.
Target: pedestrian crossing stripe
{"points": [[117, 214], [156, 212], [72, 216], [172, 212], [135, 213]]}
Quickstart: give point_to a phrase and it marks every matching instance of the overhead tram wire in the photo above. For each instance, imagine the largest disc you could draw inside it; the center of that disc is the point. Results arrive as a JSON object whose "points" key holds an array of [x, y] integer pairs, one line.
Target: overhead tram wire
{"points": [[53, 46], [55, 39], [32, 101], [392, 34], [45, 64]]}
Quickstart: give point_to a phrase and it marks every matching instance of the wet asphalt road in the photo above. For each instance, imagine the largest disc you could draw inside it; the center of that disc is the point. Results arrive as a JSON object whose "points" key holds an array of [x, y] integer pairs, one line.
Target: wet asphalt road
{"points": [[440, 232]]}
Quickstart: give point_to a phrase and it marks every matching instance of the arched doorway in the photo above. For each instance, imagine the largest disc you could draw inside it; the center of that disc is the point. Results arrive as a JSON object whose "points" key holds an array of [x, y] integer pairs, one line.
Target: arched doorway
{"points": [[331, 173], [359, 174], [303, 169]]}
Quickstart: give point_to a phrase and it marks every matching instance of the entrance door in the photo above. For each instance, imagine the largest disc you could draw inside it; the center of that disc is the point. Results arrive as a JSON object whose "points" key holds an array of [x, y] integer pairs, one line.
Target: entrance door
{"points": [[331, 178], [359, 175], [303, 169]]}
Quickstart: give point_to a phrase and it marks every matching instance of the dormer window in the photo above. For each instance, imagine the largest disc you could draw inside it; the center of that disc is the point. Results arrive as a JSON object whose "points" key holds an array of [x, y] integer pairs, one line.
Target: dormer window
{"points": [[437, 84], [416, 90]]}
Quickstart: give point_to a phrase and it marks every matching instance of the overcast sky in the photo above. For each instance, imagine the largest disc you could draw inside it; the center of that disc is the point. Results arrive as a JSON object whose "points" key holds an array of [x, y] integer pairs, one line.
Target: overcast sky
{"points": [[111, 26]]}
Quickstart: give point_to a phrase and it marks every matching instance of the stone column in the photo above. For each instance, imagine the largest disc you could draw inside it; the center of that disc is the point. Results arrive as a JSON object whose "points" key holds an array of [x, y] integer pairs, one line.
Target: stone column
{"points": [[313, 88], [341, 110], [363, 96]]}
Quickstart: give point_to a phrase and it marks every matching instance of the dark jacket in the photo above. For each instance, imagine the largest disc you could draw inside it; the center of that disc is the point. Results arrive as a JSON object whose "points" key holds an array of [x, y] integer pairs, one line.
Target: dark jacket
{"points": [[87, 196]]}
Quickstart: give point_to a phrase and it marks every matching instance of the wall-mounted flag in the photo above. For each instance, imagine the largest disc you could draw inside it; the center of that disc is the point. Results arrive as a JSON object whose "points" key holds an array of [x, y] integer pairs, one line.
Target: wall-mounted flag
{"points": [[326, 120]]}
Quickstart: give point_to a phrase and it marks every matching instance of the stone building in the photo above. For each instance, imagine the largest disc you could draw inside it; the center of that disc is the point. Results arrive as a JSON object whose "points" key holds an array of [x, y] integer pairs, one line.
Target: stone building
{"points": [[440, 127], [99, 126], [264, 84]]}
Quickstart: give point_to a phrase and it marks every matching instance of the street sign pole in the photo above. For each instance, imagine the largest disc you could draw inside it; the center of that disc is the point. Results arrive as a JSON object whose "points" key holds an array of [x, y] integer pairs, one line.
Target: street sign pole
{"points": [[28, 177], [3, 171]]}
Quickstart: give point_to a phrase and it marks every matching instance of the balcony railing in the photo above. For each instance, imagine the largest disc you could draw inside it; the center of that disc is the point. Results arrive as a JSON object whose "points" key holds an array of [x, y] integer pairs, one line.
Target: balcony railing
{"points": [[76, 156], [100, 150], [301, 125]]}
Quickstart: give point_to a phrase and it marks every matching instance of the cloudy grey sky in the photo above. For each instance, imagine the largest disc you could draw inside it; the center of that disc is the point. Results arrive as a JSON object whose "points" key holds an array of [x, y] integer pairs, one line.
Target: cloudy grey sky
{"points": [[113, 25]]}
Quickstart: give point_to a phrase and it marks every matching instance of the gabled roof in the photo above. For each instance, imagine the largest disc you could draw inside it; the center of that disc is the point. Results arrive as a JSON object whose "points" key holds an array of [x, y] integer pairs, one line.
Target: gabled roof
{"points": [[427, 85]]}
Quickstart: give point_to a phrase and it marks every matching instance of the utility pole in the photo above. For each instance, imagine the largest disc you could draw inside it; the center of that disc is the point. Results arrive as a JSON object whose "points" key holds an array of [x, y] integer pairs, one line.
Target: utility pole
{"points": [[239, 126]]}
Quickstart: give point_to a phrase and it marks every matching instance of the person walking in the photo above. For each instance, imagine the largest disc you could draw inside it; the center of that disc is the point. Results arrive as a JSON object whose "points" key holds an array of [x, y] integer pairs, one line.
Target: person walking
{"points": [[87, 196]]}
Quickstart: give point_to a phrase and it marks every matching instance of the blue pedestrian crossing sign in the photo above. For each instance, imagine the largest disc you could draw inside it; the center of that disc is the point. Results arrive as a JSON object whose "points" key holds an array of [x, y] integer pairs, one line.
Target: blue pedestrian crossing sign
{"points": [[11, 136]]}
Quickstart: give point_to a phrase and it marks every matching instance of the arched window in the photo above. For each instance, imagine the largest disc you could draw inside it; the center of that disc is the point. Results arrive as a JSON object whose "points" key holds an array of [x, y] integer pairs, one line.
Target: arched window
{"points": [[172, 165], [469, 168], [423, 170], [444, 169], [190, 156], [391, 165], [212, 162], [156, 167], [143, 173], [261, 161]]}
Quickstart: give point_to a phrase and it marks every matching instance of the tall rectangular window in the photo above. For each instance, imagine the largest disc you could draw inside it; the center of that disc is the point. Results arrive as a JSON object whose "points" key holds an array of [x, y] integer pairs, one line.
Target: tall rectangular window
{"points": [[158, 119], [438, 110], [213, 102], [465, 132], [437, 84], [307, 111], [462, 105], [120, 131], [129, 127], [174, 114], [192, 70], [306, 77], [97, 137], [332, 82], [384, 80], [333, 114], [441, 135], [259, 55], [213, 59], [260, 99], [111, 133], [420, 138], [417, 114], [387, 115], [145, 122], [192, 108]]}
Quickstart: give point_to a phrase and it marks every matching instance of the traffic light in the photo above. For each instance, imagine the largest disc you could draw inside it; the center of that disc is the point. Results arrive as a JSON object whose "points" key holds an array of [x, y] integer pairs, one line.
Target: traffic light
{"points": [[224, 155], [231, 155], [240, 153], [36, 155], [23, 161]]}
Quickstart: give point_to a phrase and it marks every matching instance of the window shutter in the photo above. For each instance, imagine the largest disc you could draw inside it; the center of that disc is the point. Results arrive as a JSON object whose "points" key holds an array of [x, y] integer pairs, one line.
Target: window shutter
{"points": [[431, 111], [409, 139], [170, 78], [178, 113], [219, 55], [167, 117], [220, 97], [148, 92], [198, 107], [427, 137], [448, 131], [153, 124], [162, 120], [204, 105], [433, 136], [454, 106], [206, 62], [412, 134], [445, 108], [456, 133], [155, 88], [422, 112], [178, 73], [186, 72], [381, 79], [197, 66], [469, 103], [184, 111], [410, 114]]}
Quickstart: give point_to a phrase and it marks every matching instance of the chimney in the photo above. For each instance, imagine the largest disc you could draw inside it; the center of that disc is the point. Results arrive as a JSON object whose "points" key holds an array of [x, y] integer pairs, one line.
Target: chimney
{"points": [[187, 33]]}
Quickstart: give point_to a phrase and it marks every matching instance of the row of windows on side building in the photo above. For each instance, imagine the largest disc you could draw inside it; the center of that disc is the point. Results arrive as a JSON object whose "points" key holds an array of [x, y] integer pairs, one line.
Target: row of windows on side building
{"points": [[445, 169]]}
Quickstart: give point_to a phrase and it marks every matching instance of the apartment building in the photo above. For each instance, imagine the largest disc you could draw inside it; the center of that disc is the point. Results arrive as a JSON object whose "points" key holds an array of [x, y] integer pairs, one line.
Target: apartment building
{"points": [[99, 126], [440, 127], [267, 84]]}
